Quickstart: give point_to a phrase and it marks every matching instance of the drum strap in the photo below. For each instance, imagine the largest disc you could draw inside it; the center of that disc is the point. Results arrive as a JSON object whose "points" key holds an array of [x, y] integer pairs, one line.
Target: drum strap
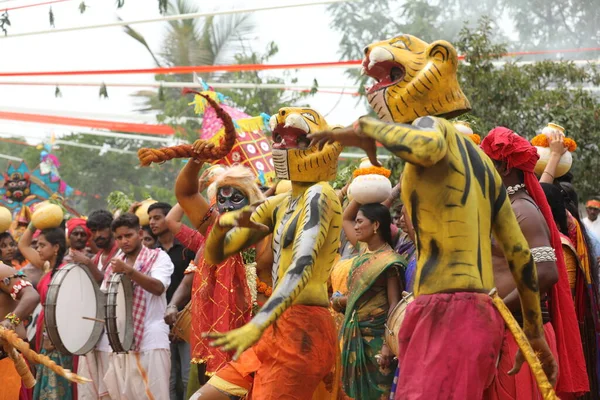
{"points": [[544, 385]]}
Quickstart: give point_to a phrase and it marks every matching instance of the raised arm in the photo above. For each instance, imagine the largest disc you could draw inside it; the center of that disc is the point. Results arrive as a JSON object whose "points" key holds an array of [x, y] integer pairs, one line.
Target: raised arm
{"points": [[27, 297], [188, 197], [27, 251], [232, 233], [174, 218], [348, 221], [421, 144]]}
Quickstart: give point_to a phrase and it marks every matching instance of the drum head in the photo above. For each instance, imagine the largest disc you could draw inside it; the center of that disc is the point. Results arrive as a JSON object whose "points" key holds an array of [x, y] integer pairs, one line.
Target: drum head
{"points": [[119, 313], [74, 311]]}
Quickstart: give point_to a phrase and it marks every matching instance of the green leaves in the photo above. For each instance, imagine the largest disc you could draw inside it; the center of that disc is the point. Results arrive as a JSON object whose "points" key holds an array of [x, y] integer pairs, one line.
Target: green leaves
{"points": [[82, 7], [103, 91], [51, 17]]}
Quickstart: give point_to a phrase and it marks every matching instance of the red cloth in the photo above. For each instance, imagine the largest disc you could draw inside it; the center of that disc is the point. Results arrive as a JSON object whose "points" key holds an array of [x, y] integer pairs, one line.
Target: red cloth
{"points": [[190, 238], [523, 385], [449, 345], [78, 223], [221, 302], [291, 358], [502, 144]]}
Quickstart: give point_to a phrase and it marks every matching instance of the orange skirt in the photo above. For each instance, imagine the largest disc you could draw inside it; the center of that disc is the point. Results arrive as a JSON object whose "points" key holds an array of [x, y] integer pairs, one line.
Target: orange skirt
{"points": [[289, 361]]}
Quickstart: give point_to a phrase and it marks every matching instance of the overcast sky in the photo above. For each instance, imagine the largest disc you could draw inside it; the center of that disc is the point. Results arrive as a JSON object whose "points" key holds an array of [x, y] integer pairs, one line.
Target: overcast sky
{"points": [[302, 34]]}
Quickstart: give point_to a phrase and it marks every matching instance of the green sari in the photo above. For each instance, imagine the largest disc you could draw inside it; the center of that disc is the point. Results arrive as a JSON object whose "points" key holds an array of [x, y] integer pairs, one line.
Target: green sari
{"points": [[364, 324], [50, 386]]}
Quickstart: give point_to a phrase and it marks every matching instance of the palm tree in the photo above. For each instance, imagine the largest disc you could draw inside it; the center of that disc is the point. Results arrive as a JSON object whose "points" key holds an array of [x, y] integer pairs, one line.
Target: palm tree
{"points": [[206, 41]]}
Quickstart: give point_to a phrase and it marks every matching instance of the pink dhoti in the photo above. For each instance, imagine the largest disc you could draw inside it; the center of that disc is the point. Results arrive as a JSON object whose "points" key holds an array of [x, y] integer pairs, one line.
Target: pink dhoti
{"points": [[521, 386], [449, 346]]}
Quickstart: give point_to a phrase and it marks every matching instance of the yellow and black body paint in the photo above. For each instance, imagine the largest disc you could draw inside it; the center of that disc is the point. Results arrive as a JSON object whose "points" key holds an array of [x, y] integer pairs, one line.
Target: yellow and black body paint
{"points": [[456, 200]]}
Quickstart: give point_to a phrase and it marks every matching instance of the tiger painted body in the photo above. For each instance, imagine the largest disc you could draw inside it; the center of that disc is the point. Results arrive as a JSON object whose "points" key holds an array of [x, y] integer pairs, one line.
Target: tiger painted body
{"points": [[305, 222], [452, 191]]}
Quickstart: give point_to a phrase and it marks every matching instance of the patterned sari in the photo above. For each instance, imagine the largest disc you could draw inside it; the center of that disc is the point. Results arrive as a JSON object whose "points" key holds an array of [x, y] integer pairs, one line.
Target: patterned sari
{"points": [[364, 324]]}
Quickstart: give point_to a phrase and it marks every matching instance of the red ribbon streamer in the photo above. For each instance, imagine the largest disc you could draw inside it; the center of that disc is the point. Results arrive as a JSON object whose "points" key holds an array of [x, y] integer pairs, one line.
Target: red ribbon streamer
{"points": [[250, 67], [128, 127]]}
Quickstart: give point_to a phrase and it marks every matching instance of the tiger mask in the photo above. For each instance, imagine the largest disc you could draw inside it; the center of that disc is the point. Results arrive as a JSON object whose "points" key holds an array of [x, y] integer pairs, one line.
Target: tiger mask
{"points": [[414, 79], [293, 158]]}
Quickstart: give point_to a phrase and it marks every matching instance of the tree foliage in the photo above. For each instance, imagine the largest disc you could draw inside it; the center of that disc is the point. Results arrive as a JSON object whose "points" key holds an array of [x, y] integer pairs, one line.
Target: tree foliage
{"points": [[521, 97]]}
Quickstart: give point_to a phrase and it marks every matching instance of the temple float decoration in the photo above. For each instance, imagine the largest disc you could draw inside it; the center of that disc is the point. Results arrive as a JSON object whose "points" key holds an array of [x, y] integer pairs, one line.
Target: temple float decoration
{"points": [[23, 189]]}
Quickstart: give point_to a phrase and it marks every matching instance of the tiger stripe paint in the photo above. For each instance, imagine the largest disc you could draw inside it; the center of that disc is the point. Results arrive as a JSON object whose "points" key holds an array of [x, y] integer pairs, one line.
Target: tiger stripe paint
{"points": [[456, 199]]}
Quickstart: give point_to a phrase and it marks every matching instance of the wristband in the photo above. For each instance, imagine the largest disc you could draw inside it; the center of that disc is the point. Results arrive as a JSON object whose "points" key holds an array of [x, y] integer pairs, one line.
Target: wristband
{"points": [[12, 317], [31, 227]]}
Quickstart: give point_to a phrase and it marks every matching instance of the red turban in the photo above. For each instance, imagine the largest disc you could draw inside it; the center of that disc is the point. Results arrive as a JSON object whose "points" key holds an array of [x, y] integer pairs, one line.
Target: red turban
{"points": [[77, 222], [502, 144]]}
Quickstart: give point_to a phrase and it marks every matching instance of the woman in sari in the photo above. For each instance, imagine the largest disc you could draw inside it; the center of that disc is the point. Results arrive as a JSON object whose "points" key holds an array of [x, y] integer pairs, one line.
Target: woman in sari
{"points": [[582, 279], [374, 289], [48, 257]]}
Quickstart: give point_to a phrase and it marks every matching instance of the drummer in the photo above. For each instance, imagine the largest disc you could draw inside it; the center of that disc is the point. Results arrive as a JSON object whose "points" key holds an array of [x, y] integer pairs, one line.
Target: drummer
{"points": [[78, 235], [148, 365], [18, 299]]}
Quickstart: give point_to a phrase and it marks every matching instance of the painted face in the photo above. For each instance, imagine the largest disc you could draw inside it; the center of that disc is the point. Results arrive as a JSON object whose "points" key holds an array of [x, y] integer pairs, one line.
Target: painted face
{"points": [[102, 237], [45, 249], [364, 228], [129, 240], [158, 223], [230, 199], [78, 238], [8, 247], [292, 158]]}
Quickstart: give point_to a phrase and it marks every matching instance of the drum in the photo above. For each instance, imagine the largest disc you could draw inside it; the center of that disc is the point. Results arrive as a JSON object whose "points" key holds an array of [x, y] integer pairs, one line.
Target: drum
{"points": [[119, 313], [74, 312], [394, 322], [183, 326]]}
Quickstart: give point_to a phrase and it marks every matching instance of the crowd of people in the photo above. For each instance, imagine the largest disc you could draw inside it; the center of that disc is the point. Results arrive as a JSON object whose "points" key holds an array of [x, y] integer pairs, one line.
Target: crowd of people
{"points": [[290, 287]]}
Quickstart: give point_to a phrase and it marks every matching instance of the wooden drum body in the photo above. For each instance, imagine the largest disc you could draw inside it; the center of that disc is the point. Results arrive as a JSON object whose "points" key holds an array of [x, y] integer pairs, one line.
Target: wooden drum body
{"points": [[119, 313], [394, 322], [74, 310], [183, 326]]}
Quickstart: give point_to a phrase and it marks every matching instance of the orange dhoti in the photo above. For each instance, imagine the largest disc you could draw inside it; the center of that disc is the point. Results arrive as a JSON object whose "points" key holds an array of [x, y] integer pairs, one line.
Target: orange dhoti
{"points": [[289, 361]]}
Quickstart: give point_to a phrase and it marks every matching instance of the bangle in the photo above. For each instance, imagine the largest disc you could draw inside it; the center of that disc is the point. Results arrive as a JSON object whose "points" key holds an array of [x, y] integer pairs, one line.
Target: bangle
{"points": [[31, 227], [173, 306], [12, 317], [546, 172]]}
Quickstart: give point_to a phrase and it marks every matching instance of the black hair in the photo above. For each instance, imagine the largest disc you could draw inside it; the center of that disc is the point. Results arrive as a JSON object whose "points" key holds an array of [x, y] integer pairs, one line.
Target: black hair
{"points": [[56, 236], [572, 204], [557, 205], [165, 207], [148, 230], [566, 178], [380, 213], [5, 235], [127, 220], [99, 219]]}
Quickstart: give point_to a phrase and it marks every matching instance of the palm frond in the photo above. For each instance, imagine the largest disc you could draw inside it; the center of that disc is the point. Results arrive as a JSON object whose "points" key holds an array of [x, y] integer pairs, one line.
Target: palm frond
{"points": [[138, 37]]}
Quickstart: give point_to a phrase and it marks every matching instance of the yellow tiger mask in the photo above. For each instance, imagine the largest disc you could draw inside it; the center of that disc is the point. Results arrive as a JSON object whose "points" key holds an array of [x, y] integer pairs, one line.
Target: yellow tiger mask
{"points": [[414, 79], [293, 159]]}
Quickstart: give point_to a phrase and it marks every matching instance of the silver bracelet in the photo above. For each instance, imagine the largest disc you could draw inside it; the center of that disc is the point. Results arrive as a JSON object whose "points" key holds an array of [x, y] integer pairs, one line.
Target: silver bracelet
{"points": [[543, 254]]}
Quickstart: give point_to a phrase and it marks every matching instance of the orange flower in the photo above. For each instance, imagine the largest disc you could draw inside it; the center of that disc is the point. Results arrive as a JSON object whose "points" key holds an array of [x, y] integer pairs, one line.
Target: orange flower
{"points": [[475, 138], [262, 287], [269, 291], [570, 144], [372, 171], [541, 140]]}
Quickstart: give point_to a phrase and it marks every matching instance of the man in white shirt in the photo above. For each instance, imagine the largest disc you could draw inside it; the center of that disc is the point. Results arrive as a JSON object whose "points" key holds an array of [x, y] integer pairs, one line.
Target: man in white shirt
{"points": [[592, 222], [142, 373]]}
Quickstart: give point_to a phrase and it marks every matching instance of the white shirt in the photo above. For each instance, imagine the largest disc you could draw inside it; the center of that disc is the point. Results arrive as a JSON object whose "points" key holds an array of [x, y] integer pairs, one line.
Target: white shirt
{"points": [[156, 331], [593, 226]]}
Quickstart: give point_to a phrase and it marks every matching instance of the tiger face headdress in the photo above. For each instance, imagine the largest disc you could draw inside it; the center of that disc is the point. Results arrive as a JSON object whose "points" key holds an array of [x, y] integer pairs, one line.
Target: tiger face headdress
{"points": [[414, 79], [293, 159]]}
